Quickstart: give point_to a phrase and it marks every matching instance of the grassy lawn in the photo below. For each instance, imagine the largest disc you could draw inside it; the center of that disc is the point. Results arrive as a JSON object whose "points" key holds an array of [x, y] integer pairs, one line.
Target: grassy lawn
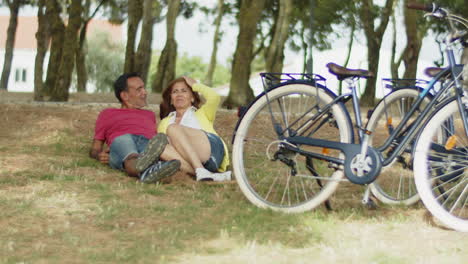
{"points": [[59, 206]]}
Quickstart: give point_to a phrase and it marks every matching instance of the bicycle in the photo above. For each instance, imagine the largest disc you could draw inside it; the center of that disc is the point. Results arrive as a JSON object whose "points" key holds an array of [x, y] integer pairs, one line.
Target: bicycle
{"points": [[441, 150], [395, 184], [299, 131]]}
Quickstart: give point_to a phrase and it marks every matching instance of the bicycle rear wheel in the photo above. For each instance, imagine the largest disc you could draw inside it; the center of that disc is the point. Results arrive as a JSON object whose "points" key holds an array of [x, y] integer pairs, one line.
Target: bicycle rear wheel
{"points": [[441, 167], [395, 184], [271, 176]]}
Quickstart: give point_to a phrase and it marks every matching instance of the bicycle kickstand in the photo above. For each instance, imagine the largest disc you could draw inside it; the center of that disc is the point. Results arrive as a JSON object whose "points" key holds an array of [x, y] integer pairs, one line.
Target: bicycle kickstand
{"points": [[367, 201]]}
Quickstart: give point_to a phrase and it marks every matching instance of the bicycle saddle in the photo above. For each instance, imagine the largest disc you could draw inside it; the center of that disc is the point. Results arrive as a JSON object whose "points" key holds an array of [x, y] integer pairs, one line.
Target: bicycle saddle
{"points": [[433, 71], [343, 73]]}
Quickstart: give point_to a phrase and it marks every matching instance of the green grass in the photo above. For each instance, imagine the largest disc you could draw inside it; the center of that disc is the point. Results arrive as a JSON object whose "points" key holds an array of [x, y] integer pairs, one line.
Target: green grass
{"points": [[60, 206]]}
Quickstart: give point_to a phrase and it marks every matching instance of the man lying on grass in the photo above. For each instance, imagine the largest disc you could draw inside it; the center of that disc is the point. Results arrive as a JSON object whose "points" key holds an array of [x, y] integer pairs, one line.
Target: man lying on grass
{"points": [[130, 131]]}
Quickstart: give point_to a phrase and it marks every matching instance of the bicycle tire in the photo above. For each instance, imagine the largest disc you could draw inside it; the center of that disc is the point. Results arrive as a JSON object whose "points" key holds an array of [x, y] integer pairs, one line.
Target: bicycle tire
{"points": [[271, 184], [395, 184], [441, 150]]}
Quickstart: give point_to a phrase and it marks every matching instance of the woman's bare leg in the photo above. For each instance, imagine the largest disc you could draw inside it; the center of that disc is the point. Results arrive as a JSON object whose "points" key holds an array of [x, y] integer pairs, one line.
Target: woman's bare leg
{"points": [[191, 144], [171, 153]]}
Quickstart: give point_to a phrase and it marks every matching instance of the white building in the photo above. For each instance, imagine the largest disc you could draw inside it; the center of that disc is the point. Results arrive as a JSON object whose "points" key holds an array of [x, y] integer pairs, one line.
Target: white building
{"points": [[24, 55]]}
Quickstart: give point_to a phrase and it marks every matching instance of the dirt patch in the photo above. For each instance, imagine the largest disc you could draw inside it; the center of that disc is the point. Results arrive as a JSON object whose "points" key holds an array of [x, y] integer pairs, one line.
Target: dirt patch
{"points": [[37, 125], [49, 198], [15, 163]]}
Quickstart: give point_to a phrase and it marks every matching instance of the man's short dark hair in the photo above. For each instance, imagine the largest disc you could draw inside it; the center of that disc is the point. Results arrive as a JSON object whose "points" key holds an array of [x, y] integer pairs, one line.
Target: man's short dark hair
{"points": [[120, 84]]}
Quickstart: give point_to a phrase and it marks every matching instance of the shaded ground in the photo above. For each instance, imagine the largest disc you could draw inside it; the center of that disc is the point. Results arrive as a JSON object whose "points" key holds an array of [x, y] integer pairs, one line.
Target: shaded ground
{"points": [[59, 206]]}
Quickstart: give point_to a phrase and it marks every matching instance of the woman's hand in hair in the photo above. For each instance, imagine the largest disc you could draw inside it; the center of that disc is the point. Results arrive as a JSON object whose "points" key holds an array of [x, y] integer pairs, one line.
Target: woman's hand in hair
{"points": [[190, 81]]}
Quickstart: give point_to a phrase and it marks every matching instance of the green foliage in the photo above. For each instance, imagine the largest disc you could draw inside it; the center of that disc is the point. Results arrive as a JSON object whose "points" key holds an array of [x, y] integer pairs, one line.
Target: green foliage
{"points": [[457, 7], [321, 15], [105, 61], [116, 11], [186, 9], [193, 67], [258, 64]]}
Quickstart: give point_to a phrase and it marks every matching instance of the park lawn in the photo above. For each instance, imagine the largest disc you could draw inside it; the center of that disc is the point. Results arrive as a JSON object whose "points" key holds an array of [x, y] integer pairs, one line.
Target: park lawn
{"points": [[59, 206]]}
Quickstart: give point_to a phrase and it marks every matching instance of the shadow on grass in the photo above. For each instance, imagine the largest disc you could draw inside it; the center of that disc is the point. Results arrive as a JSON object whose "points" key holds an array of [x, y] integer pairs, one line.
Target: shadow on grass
{"points": [[91, 213]]}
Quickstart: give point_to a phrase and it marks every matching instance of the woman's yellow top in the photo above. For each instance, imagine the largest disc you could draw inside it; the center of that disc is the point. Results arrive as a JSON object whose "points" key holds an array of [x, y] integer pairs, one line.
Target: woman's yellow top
{"points": [[205, 115]]}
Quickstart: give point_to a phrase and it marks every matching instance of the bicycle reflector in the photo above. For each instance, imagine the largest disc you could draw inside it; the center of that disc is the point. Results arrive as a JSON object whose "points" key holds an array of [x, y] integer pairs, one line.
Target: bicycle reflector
{"points": [[389, 121], [325, 151], [390, 125], [451, 141]]}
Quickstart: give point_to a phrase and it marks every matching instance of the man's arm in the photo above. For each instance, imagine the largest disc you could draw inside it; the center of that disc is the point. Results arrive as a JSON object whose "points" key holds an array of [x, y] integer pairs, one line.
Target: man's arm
{"points": [[99, 152]]}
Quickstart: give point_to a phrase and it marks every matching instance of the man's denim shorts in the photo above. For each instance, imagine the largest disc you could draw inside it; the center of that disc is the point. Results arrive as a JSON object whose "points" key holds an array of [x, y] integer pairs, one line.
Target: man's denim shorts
{"points": [[123, 146], [217, 153]]}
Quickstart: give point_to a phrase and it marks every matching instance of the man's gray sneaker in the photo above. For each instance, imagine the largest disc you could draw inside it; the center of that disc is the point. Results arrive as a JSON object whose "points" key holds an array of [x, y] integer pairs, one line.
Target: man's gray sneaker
{"points": [[159, 171], [152, 152]]}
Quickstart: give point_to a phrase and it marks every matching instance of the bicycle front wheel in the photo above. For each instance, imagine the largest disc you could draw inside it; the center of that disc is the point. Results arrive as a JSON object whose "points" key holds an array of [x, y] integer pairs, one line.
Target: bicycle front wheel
{"points": [[272, 176], [440, 167], [395, 184]]}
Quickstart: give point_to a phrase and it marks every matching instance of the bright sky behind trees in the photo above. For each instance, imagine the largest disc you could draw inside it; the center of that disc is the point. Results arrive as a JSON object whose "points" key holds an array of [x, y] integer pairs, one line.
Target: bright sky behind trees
{"points": [[194, 37]]}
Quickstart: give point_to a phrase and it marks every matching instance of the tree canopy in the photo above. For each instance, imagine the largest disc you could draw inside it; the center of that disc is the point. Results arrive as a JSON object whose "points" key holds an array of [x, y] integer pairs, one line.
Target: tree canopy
{"points": [[266, 29]]}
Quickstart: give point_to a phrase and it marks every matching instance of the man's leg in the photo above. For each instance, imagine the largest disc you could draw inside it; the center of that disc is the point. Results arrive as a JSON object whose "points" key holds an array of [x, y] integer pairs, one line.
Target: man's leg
{"points": [[150, 152], [150, 168], [159, 170], [123, 154], [130, 165]]}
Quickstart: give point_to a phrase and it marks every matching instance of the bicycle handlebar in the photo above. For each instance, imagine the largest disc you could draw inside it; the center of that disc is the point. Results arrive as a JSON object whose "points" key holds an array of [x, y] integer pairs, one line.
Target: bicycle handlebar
{"points": [[439, 12], [424, 7]]}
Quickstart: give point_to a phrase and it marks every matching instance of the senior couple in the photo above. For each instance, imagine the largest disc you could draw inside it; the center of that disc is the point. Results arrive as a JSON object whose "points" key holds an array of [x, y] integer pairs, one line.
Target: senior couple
{"points": [[128, 139]]}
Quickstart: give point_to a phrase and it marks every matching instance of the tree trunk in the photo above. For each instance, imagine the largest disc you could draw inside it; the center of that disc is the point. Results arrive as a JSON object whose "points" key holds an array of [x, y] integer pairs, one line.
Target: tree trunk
{"points": [[374, 42], [167, 61], [216, 38], [10, 43], [414, 36], [42, 37], [373, 58], [305, 48], [240, 92], [60, 91], [274, 55], [81, 51], [394, 65], [348, 56], [134, 17], [143, 55], [80, 57], [57, 34]]}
